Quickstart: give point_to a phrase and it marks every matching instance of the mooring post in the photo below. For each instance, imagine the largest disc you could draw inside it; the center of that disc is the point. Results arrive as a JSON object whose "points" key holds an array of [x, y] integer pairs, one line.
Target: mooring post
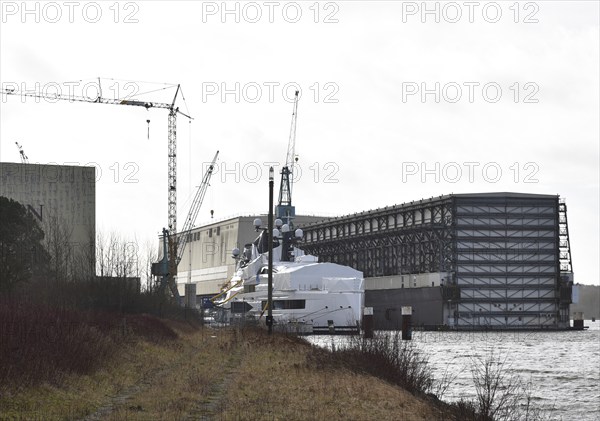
{"points": [[578, 320], [367, 322], [406, 323]]}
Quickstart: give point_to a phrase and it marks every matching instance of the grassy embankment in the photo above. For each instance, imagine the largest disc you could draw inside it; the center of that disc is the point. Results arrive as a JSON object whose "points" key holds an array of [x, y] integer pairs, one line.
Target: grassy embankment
{"points": [[73, 364]]}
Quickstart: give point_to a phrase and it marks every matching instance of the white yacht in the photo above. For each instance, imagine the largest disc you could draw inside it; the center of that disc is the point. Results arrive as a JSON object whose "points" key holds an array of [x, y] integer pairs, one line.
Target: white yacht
{"points": [[308, 297]]}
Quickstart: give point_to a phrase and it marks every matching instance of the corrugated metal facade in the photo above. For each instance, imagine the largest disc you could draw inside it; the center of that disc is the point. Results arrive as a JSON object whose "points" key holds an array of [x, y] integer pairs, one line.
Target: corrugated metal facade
{"points": [[498, 257], [507, 262]]}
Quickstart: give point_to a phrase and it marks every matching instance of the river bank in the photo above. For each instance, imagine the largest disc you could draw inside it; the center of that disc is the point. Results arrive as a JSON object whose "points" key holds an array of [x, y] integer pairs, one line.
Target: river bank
{"points": [[559, 368], [205, 373]]}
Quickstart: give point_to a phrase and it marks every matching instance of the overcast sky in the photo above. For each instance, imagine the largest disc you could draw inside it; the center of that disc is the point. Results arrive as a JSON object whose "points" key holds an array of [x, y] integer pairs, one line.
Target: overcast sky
{"points": [[399, 101]]}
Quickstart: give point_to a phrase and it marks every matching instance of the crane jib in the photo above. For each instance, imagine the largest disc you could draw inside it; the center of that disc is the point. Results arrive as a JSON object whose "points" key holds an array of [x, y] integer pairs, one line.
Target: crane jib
{"points": [[138, 103]]}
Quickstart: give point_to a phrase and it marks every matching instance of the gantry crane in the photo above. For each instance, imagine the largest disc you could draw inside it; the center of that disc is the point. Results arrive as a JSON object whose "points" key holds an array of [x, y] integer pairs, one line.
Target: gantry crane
{"points": [[172, 140], [24, 158], [284, 209]]}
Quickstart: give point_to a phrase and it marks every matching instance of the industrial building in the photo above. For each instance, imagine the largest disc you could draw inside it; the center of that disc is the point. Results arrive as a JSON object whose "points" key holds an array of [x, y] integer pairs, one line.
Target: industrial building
{"points": [[207, 261], [463, 261], [63, 200]]}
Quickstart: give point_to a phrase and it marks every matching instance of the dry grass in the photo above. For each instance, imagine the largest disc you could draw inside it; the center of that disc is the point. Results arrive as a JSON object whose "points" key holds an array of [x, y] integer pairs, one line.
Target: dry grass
{"points": [[225, 374], [76, 396], [180, 388], [276, 381], [46, 344]]}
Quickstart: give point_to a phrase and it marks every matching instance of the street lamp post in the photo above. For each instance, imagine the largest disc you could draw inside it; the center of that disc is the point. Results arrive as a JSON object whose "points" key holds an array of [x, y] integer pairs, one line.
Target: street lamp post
{"points": [[270, 267]]}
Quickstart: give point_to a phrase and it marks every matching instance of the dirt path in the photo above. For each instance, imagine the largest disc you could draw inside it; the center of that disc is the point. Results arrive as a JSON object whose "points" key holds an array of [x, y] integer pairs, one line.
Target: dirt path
{"points": [[210, 407], [151, 378], [191, 386]]}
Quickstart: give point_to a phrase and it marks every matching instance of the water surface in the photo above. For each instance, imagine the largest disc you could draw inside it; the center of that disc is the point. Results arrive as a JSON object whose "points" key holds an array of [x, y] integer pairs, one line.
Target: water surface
{"points": [[562, 367]]}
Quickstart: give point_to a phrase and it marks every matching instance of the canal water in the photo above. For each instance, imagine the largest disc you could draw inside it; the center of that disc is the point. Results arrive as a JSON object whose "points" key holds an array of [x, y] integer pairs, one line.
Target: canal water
{"points": [[562, 368]]}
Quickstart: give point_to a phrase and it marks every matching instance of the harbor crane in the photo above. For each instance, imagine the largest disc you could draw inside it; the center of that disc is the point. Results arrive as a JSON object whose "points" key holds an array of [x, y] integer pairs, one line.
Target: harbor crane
{"points": [[172, 145], [183, 239], [167, 267], [24, 158], [284, 209]]}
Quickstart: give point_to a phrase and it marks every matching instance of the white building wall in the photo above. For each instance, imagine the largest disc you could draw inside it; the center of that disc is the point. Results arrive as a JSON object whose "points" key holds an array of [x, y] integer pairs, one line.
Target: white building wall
{"points": [[210, 246]]}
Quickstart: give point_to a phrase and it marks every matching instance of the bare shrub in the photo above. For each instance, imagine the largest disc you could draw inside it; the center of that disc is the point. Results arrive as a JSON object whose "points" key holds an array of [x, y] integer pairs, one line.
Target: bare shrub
{"points": [[442, 384], [42, 343], [39, 343], [501, 393], [386, 356], [498, 391]]}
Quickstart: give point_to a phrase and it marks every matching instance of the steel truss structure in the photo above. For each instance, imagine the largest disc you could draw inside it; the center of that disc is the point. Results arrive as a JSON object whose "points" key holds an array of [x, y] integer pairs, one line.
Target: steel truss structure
{"points": [[402, 239], [506, 255]]}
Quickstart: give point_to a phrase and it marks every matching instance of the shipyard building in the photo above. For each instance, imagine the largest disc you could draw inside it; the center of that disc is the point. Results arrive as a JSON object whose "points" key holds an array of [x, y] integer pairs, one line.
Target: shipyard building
{"points": [[461, 261], [207, 260], [464, 261]]}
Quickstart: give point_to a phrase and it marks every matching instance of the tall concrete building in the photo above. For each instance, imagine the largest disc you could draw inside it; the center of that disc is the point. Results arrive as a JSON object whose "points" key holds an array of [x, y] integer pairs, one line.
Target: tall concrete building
{"points": [[62, 199]]}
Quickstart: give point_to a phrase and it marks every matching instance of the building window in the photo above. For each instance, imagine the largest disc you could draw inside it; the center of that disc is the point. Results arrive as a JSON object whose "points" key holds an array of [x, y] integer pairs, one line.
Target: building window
{"points": [[218, 230], [210, 232], [286, 304]]}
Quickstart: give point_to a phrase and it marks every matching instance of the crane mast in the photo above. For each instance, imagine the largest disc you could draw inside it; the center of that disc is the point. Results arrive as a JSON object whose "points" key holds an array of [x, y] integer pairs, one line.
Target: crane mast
{"points": [[172, 164], [172, 149], [284, 209]]}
